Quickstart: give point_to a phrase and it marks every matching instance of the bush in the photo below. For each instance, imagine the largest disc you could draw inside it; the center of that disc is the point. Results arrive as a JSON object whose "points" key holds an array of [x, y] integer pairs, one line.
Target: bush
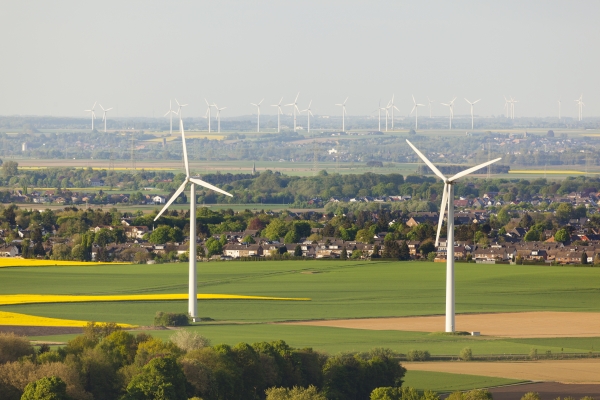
{"points": [[418, 355], [171, 319], [188, 341], [466, 354], [13, 347], [531, 396], [309, 393], [533, 354]]}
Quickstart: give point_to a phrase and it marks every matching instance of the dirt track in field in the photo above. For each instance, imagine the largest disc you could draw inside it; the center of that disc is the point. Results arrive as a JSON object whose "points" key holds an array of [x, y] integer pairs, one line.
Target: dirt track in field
{"points": [[514, 325], [563, 371]]}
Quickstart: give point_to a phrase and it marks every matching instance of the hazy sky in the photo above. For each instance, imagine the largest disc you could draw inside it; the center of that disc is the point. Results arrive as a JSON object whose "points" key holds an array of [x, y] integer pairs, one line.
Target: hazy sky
{"points": [[59, 57]]}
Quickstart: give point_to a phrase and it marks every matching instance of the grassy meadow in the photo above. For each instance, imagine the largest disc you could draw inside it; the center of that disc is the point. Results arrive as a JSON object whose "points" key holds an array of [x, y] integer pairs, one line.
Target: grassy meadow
{"points": [[337, 289]]}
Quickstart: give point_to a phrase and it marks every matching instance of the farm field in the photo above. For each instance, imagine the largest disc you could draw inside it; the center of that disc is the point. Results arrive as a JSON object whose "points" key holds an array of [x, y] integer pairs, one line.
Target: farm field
{"points": [[445, 382], [337, 289]]}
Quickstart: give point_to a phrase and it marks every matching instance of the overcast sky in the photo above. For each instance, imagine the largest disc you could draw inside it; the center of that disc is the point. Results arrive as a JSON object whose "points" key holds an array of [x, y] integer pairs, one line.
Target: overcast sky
{"points": [[59, 57]]}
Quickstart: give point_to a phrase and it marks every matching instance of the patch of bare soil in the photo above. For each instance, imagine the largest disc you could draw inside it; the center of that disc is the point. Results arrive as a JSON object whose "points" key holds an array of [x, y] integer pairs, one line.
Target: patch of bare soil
{"points": [[547, 391], [39, 330], [562, 371], [515, 325]]}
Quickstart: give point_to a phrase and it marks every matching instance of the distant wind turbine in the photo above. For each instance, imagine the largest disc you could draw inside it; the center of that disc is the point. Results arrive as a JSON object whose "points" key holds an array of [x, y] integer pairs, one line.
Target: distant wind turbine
{"points": [[258, 120], [294, 109], [392, 106], [429, 104], [416, 110], [450, 105], [180, 106], [472, 104], [93, 114], [218, 117], [170, 114], [580, 105], [507, 107], [104, 115], [559, 108], [308, 114], [192, 277], [448, 204], [279, 112], [343, 105], [207, 115], [379, 108]]}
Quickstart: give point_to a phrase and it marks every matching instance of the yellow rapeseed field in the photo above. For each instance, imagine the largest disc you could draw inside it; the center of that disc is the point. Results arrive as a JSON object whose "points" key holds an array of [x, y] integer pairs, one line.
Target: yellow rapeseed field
{"points": [[10, 318], [550, 171], [25, 262], [11, 299]]}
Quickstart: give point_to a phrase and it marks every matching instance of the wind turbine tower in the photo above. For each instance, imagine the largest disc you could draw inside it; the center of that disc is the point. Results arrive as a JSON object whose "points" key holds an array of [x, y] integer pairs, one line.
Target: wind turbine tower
{"points": [[392, 106], [448, 204], [429, 104], [218, 117], [170, 114], [294, 109], [104, 115], [192, 277], [559, 108], [308, 114], [207, 115], [258, 109], [472, 104], [450, 105], [279, 112], [416, 110], [343, 105], [580, 106], [93, 114]]}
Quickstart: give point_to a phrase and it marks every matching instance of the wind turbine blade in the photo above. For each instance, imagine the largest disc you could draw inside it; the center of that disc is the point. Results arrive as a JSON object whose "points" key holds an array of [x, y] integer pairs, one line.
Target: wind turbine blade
{"points": [[185, 156], [476, 101], [102, 107], [411, 111], [172, 199], [177, 103], [467, 100], [260, 102], [94, 106], [209, 186], [473, 169], [297, 97], [442, 211], [396, 108], [414, 101], [254, 104], [309, 103], [346, 100], [207, 102], [429, 164]]}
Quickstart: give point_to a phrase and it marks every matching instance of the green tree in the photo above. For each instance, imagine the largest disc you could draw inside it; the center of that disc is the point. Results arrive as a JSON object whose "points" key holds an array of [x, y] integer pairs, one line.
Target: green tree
{"points": [[564, 212], [10, 168], [584, 258], [103, 237], [291, 237], [295, 393], [562, 236], [404, 252], [48, 388], [344, 254], [275, 230], [160, 235], [161, 378], [533, 235], [298, 251], [213, 246]]}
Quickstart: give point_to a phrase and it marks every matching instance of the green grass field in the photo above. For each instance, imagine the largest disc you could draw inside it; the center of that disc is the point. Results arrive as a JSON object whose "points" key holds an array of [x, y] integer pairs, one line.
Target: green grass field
{"points": [[338, 289], [442, 382]]}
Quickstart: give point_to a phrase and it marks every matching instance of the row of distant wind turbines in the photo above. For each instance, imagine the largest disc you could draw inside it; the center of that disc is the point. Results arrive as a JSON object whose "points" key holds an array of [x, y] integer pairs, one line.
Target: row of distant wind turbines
{"points": [[509, 107]]}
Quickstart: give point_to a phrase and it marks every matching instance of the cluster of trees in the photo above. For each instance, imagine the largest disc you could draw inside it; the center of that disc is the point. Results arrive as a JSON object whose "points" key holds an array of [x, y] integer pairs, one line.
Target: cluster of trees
{"points": [[108, 363]]}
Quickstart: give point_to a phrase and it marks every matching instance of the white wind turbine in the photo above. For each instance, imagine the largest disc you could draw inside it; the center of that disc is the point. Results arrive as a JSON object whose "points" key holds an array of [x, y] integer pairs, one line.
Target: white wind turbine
{"points": [[448, 203], [93, 114], [512, 107], [472, 104], [192, 284], [416, 110], [207, 115], [170, 114], [507, 106], [379, 114], [279, 112], [343, 105], [392, 106], [308, 114], [580, 105], [180, 106], [450, 105], [258, 108], [294, 109], [218, 116], [429, 101], [104, 115], [559, 108]]}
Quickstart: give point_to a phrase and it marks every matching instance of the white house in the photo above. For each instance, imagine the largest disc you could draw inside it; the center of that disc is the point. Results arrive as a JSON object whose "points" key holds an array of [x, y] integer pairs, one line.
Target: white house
{"points": [[159, 199]]}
